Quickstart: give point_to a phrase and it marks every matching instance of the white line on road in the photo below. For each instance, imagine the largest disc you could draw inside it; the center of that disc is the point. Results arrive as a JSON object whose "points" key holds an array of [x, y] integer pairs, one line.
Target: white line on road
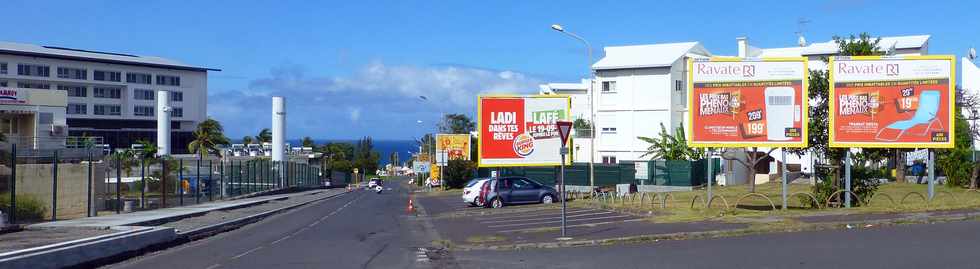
{"points": [[281, 239], [216, 265], [520, 215], [570, 226], [547, 218], [246, 253], [556, 221]]}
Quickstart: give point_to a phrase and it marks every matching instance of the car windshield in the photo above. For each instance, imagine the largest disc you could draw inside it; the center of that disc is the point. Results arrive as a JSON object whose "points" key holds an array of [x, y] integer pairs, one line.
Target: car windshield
{"points": [[473, 182]]}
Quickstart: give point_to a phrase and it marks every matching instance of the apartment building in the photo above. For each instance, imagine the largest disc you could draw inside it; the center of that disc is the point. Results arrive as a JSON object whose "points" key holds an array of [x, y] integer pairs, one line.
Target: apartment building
{"points": [[581, 110], [107, 95]]}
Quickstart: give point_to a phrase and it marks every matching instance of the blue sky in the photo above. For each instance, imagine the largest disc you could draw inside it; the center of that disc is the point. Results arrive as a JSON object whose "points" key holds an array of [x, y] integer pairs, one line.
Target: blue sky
{"points": [[355, 68]]}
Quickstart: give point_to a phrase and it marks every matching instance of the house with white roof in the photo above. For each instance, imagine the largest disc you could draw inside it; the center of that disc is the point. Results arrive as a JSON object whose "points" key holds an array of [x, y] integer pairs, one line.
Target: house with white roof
{"points": [[638, 88]]}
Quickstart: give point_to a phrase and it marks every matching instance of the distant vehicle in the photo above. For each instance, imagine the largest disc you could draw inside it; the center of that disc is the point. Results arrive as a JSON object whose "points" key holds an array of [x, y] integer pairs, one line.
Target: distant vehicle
{"points": [[471, 191], [375, 182], [238, 150], [517, 190], [254, 150]]}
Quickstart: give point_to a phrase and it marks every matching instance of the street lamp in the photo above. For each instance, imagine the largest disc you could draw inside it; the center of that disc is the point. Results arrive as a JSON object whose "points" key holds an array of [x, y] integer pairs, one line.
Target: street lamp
{"points": [[559, 28]]}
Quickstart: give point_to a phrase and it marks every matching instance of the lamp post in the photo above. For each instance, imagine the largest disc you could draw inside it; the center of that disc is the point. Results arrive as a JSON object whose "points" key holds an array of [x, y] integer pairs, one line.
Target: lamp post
{"points": [[559, 28]]}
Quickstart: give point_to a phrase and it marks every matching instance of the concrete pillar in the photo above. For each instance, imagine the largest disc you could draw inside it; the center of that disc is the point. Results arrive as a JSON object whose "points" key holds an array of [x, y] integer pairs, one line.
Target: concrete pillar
{"points": [[743, 46], [278, 128], [163, 123]]}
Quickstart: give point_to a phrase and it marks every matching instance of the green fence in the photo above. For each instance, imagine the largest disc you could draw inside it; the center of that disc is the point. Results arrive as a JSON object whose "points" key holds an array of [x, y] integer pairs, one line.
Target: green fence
{"points": [[576, 174], [680, 172]]}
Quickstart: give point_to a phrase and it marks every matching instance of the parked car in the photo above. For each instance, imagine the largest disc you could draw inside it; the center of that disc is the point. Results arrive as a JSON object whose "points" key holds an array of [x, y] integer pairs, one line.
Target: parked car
{"points": [[517, 190], [471, 191]]}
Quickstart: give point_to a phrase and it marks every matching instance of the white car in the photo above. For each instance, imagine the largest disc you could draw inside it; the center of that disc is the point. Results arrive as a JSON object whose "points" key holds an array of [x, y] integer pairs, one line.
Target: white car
{"points": [[471, 193]]}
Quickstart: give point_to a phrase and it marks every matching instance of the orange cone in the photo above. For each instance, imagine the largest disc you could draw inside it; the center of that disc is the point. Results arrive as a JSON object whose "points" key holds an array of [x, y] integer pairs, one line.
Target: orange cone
{"points": [[411, 205]]}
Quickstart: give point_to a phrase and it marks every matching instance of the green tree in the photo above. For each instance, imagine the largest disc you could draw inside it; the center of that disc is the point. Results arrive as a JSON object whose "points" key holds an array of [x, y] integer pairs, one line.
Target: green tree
{"points": [[671, 146], [957, 162], [265, 136], [456, 124], [458, 172], [338, 156], [365, 157], [247, 140], [207, 137]]}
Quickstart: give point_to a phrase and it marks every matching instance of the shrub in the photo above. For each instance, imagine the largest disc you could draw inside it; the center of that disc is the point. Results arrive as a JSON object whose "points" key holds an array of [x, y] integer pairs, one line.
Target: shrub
{"points": [[28, 207], [864, 183], [458, 172]]}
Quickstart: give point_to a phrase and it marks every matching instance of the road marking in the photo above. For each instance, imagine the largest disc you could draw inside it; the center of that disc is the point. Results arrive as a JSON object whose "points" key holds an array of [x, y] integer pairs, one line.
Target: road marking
{"points": [[556, 221], [246, 253], [570, 226], [546, 218], [512, 215], [216, 265], [281, 239]]}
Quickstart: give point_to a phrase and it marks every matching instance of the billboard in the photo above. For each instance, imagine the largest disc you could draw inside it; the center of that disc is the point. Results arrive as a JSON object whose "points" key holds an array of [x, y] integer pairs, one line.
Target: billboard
{"points": [[520, 130], [452, 147], [892, 101], [736, 102]]}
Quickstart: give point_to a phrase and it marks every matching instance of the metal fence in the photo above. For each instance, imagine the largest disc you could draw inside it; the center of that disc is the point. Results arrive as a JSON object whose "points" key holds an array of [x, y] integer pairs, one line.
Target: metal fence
{"points": [[40, 186]]}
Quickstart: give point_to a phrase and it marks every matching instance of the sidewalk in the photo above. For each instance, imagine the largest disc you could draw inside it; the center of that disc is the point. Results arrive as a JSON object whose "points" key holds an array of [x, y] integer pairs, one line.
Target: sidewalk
{"points": [[79, 241]]}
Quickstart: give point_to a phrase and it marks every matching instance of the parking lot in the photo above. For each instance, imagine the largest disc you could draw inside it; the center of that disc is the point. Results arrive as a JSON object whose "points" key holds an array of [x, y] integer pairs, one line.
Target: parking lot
{"points": [[517, 224]]}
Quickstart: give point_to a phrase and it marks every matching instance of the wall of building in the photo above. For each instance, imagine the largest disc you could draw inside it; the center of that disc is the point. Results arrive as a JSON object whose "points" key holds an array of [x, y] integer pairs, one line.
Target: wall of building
{"points": [[643, 99]]}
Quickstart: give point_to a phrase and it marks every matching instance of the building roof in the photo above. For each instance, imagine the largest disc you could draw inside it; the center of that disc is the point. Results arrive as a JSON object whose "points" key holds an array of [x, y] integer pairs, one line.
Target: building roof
{"points": [[95, 56], [830, 47], [646, 56]]}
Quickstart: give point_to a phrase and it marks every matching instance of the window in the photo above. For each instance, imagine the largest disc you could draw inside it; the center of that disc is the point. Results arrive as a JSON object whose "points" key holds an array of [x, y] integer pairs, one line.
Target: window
{"points": [[33, 85], [608, 159], [107, 92], [143, 111], [608, 86], [142, 94], [177, 112], [101, 75], [177, 96], [33, 70], [77, 109], [74, 91], [138, 78], [10, 125], [682, 92], [72, 73], [108, 110], [3, 83], [522, 184], [168, 80], [3, 68]]}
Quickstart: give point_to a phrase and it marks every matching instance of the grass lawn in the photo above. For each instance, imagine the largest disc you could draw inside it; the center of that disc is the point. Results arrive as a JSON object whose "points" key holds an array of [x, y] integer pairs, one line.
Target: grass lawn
{"points": [[888, 199]]}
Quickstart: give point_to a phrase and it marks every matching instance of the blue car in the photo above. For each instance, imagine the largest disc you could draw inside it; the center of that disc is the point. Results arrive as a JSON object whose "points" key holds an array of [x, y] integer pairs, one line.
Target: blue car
{"points": [[518, 190]]}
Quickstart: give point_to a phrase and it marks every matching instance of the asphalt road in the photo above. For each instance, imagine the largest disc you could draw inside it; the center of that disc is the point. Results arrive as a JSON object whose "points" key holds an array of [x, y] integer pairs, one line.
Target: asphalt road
{"points": [[356, 230], [944, 245]]}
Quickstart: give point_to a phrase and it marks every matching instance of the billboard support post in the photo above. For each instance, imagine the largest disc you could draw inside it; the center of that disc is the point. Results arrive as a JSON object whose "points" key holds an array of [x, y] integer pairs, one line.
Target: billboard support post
{"points": [[707, 202], [784, 177], [932, 174], [847, 179]]}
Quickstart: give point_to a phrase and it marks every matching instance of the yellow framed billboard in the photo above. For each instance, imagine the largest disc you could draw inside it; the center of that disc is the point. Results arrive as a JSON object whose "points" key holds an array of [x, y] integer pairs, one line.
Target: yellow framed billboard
{"points": [[520, 130], [452, 147], [892, 101], [747, 102]]}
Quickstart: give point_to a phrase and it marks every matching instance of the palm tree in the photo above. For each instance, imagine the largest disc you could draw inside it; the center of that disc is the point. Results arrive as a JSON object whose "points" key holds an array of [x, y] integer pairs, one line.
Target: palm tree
{"points": [[308, 142], [671, 147], [247, 140], [265, 135], [208, 136]]}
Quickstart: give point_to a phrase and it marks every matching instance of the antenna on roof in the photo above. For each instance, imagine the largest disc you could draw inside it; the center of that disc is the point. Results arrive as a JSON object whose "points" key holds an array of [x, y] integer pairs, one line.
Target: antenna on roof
{"points": [[973, 54], [800, 27]]}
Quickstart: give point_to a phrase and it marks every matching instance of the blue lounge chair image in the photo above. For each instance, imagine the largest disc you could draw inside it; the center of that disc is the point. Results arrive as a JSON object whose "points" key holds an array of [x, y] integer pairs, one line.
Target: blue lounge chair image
{"points": [[925, 114]]}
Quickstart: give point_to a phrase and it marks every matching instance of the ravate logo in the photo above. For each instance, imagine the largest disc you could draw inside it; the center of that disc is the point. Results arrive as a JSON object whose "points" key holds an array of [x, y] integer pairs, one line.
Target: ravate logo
{"points": [[867, 69], [8, 94], [745, 70]]}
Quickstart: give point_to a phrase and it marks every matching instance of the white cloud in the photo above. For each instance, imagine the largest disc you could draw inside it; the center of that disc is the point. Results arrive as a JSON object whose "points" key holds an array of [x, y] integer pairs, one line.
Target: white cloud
{"points": [[386, 94]]}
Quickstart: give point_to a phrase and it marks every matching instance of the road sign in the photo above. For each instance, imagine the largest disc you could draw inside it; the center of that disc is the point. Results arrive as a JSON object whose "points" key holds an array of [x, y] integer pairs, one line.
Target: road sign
{"points": [[564, 127]]}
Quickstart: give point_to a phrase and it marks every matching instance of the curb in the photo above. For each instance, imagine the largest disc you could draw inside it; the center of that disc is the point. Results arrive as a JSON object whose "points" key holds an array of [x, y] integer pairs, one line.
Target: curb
{"points": [[726, 233], [209, 230], [90, 249]]}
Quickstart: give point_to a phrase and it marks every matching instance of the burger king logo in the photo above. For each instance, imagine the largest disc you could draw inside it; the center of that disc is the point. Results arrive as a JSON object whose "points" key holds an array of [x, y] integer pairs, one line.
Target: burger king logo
{"points": [[524, 145]]}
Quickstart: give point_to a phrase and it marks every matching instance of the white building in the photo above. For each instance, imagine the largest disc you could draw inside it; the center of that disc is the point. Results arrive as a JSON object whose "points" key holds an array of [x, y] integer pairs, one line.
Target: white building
{"points": [[970, 76], [638, 88], [108, 95], [581, 109]]}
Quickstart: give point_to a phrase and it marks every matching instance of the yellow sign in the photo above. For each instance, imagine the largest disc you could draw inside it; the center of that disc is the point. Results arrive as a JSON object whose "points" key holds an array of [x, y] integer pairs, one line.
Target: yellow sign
{"points": [[434, 173], [455, 146]]}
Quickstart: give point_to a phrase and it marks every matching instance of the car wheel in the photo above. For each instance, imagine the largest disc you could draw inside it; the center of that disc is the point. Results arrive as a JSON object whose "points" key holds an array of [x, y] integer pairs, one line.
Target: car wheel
{"points": [[476, 202], [496, 203], [547, 199]]}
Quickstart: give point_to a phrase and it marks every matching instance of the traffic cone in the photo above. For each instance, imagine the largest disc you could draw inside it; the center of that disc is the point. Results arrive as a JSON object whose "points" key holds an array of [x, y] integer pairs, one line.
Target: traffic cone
{"points": [[348, 187], [411, 205]]}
